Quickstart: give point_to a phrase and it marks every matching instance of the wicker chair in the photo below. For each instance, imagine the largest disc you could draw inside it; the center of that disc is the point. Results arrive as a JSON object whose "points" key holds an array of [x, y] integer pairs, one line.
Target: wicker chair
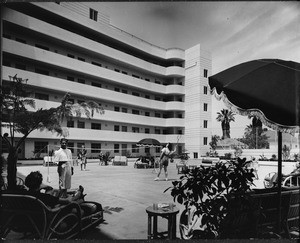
{"points": [[30, 216]]}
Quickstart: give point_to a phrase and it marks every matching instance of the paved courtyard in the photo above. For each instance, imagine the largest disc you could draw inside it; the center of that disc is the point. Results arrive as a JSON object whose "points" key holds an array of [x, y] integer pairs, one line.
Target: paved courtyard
{"points": [[125, 193]]}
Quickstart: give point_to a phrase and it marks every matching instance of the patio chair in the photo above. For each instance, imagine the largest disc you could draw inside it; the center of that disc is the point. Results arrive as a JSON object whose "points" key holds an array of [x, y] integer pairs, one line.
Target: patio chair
{"points": [[19, 182], [28, 215]]}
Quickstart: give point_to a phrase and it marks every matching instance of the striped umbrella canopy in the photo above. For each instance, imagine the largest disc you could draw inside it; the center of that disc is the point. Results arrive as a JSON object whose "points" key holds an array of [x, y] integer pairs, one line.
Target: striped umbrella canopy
{"points": [[148, 142]]}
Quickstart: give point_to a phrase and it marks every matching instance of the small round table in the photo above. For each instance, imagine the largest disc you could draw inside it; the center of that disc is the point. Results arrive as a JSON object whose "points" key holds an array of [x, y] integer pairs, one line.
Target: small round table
{"points": [[169, 214]]}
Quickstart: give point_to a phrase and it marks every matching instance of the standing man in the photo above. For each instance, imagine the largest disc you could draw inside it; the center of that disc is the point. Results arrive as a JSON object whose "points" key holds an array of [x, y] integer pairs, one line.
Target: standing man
{"points": [[65, 168], [82, 156]]}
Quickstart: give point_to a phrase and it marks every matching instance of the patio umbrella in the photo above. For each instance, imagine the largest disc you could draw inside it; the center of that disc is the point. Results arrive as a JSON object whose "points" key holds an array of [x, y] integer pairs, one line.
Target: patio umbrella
{"points": [[268, 89], [148, 142]]}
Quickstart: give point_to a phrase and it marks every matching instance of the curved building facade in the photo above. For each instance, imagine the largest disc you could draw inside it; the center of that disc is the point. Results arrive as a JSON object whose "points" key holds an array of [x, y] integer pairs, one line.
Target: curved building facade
{"points": [[146, 91]]}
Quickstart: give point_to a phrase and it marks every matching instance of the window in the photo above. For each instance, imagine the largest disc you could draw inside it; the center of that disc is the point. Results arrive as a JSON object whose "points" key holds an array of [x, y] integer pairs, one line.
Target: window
{"points": [[147, 113], [124, 110], [80, 124], [157, 150], [205, 141], [147, 97], [195, 155], [124, 72], [81, 81], [41, 96], [135, 149], [93, 14], [97, 64], [135, 76], [124, 91], [96, 84], [116, 128], [147, 79], [124, 128], [117, 108], [20, 66], [70, 123], [157, 131], [70, 78], [71, 146], [21, 40], [41, 71], [70, 55], [205, 106], [117, 70], [81, 59], [40, 147], [96, 126], [205, 123], [6, 36], [135, 93], [117, 89], [147, 150], [157, 114], [205, 73], [179, 131], [157, 98], [205, 89], [95, 148], [71, 101], [136, 112], [42, 47], [135, 129], [116, 148], [147, 130], [6, 63]]}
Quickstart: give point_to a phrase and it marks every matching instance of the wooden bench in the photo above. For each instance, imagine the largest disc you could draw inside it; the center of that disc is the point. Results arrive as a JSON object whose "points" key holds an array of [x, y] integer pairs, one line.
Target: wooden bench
{"points": [[27, 214]]}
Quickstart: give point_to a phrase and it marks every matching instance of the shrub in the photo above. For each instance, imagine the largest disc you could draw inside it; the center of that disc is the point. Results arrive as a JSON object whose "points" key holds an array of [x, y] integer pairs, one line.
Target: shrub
{"points": [[209, 189]]}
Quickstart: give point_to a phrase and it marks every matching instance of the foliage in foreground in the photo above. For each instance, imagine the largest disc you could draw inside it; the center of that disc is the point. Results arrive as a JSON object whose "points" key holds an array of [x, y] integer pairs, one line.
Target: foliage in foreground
{"points": [[209, 190]]}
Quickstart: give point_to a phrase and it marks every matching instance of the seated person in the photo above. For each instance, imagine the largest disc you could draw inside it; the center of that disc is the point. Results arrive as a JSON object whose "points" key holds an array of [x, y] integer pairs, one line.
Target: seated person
{"points": [[34, 181]]}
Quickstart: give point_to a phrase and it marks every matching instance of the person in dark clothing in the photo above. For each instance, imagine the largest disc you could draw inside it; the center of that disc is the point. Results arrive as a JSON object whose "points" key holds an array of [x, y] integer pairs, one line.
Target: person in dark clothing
{"points": [[34, 181]]}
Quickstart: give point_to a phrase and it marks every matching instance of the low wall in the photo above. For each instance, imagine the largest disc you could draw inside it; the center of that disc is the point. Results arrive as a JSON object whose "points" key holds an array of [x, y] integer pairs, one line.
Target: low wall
{"points": [[257, 153]]}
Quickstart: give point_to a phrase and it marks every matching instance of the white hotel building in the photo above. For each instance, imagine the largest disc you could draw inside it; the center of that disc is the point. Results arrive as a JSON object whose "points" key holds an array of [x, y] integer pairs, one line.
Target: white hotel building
{"points": [[146, 91]]}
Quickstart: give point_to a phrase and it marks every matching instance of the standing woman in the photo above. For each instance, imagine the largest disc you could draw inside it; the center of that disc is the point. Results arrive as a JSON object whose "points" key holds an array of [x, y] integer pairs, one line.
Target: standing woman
{"points": [[166, 152], [82, 156], [65, 167]]}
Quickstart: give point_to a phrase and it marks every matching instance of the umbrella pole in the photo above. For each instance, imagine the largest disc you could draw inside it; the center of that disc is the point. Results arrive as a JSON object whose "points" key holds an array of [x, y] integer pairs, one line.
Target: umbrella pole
{"points": [[279, 179]]}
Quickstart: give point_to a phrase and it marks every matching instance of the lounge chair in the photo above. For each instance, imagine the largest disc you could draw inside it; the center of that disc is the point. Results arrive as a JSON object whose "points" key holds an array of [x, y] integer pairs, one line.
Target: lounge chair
{"points": [[120, 160], [28, 215]]}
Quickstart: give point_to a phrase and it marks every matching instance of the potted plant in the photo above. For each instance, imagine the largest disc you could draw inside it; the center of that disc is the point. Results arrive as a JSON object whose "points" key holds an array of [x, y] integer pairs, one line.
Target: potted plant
{"points": [[208, 191]]}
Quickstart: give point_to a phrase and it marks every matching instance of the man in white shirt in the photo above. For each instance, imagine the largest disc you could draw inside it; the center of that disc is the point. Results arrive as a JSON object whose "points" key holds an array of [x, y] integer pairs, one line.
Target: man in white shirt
{"points": [[65, 167]]}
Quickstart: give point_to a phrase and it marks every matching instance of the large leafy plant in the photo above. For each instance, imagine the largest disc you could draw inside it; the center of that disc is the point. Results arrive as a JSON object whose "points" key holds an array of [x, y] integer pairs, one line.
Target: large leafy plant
{"points": [[21, 117], [209, 191]]}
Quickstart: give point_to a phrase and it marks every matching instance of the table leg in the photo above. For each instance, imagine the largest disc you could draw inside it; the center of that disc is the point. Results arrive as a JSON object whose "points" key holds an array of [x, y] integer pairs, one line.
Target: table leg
{"points": [[172, 227], [149, 227], [154, 227]]}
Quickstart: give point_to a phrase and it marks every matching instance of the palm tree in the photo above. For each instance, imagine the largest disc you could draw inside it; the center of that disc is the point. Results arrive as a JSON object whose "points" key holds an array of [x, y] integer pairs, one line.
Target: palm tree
{"points": [[14, 104], [256, 128], [225, 117]]}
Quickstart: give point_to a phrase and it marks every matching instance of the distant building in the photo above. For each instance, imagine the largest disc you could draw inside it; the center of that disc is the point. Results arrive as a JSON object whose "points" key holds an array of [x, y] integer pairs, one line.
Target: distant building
{"points": [[146, 90]]}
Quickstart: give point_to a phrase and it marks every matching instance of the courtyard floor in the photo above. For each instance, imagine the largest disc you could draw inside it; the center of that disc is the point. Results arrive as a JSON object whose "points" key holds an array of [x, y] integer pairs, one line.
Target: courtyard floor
{"points": [[125, 193]]}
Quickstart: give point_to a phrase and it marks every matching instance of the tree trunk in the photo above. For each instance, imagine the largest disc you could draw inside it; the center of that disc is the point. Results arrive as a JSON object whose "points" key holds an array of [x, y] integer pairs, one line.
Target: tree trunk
{"points": [[12, 160]]}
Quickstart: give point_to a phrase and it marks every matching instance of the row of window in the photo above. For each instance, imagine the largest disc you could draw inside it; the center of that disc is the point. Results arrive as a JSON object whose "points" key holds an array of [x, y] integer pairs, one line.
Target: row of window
{"points": [[42, 147], [83, 59]]}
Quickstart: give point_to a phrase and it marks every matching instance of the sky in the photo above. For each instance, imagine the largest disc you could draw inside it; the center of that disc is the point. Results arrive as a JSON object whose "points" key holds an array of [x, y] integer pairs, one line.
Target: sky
{"points": [[234, 32]]}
